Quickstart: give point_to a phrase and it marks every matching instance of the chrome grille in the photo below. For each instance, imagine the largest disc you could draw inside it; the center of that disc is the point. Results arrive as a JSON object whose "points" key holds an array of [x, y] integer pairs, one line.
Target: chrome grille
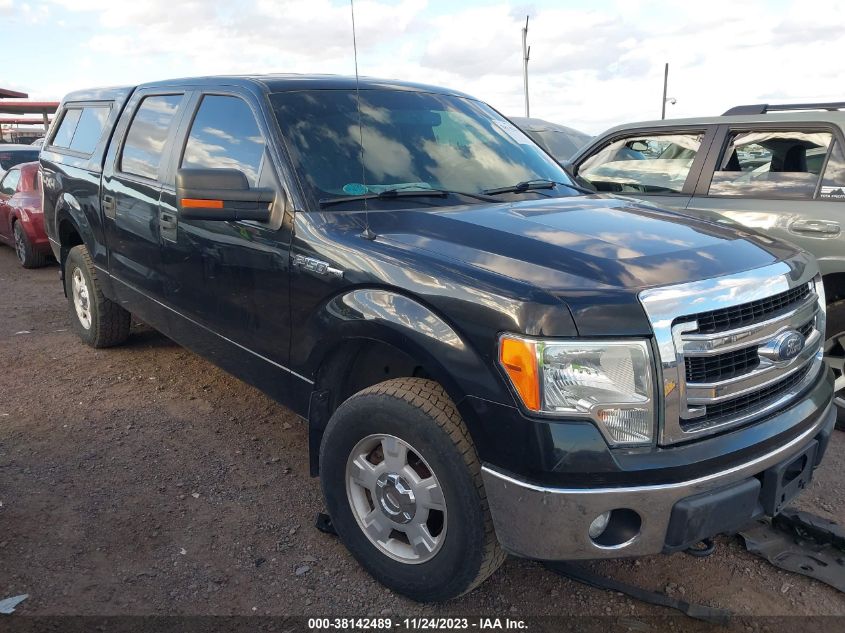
{"points": [[736, 316], [722, 346]]}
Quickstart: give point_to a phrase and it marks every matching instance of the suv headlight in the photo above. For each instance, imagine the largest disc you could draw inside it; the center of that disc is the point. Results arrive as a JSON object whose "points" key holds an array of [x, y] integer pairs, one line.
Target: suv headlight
{"points": [[609, 382]]}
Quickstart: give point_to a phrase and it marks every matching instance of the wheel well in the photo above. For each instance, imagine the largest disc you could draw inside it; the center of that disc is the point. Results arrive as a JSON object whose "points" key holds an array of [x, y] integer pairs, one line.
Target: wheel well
{"points": [[834, 286], [68, 238], [356, 365], [353, 366]]}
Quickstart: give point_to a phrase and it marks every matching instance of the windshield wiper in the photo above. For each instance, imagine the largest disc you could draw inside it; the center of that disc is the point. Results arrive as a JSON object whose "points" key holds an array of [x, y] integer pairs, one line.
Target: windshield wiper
{"points": [[392, 194], [520, 187], [534, 185]]}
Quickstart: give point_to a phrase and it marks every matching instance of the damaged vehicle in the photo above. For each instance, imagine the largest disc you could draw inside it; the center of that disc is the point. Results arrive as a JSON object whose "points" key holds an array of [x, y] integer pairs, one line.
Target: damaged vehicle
{"points": [[489, 359]]}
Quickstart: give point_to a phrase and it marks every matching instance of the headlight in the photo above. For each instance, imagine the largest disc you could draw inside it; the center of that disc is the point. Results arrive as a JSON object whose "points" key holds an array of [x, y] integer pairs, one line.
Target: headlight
{"points": [[609, 382]]}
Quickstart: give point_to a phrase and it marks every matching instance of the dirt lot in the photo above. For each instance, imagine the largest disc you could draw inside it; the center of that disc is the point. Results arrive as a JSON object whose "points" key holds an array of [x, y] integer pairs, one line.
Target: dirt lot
{"points": [[143, 480]]}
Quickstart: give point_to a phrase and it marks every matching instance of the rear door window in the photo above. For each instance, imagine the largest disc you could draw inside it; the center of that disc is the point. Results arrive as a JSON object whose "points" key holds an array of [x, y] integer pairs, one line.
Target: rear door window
{"points": [[648, 163], [89, 129], [148, 134], [64, 135], [771, 164], [224, 134], [81, 128]]}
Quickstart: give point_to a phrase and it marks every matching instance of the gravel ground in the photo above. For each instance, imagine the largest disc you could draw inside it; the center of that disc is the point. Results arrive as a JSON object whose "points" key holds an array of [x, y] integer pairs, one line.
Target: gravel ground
{"points": [[143, 480]]}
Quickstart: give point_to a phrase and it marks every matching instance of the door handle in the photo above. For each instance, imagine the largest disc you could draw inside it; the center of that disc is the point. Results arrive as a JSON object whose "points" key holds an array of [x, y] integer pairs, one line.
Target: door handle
{"points": [[167, 221], [109, 206], [820, 227]]}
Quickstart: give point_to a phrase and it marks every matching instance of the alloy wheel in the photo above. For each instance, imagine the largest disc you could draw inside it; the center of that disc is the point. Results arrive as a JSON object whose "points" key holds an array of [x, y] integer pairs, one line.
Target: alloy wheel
{"points": [[20, 245], [81, 298], [834, 357], [396, 498]]}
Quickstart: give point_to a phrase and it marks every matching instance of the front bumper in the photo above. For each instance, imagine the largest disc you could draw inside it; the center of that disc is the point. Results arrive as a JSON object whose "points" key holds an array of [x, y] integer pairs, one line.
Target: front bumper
{"points": [[546, 523]]}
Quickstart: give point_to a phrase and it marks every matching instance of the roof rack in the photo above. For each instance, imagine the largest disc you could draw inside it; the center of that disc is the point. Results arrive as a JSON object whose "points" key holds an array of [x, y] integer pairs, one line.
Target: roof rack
{"points": [[763, 108]]}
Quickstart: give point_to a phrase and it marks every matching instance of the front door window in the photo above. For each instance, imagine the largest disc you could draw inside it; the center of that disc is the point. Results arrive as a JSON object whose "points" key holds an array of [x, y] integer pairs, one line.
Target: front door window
{"points": [[643, 164]]}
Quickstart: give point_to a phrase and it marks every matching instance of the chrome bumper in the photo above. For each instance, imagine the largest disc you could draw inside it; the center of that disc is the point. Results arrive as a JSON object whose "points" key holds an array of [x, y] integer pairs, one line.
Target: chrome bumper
{"points": [[552, 523]]}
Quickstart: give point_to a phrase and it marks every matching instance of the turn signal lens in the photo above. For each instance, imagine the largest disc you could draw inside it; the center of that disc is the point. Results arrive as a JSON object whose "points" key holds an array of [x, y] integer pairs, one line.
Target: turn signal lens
{"points": [[195, 203], [519, 359]]}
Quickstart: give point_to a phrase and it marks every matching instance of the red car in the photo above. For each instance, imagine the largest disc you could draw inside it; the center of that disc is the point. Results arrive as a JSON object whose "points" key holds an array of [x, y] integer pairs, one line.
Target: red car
{"points": [[21, 217]]}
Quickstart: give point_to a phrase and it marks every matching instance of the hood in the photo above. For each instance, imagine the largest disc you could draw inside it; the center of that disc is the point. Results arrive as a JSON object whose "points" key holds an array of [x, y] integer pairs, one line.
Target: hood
{"points": [[595, 253]]}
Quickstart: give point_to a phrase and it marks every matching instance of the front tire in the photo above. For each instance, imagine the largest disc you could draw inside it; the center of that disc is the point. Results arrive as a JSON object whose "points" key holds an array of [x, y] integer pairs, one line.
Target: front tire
{"points": [[834, 355], [27, 255], [98, 321], [402, 484]]}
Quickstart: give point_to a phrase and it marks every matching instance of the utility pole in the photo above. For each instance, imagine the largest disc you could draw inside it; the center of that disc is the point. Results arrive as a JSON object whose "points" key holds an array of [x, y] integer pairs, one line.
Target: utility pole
{"points": [[665, 86], [526, 53]]}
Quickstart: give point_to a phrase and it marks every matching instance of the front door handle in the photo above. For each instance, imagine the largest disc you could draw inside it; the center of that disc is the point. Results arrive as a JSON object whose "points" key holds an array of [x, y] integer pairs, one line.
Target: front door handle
{"points": [[822, 227]]}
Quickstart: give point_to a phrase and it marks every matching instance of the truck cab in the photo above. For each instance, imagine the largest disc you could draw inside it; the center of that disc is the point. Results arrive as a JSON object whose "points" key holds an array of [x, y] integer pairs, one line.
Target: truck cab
{"points": [[489, 358]]}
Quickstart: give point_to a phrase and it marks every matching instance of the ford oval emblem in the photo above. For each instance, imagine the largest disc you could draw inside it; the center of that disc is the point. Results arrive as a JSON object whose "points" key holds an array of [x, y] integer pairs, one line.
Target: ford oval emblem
{"points": [[788, 345], [783, 348]]}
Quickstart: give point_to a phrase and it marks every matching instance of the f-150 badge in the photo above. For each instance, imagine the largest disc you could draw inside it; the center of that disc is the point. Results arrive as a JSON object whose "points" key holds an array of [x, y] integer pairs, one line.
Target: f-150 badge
{"points": [[316, 266]]}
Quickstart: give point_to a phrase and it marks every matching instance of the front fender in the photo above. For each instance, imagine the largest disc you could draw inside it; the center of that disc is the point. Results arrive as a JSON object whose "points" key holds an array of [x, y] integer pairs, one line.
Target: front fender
{"points": [[407, 324], [404, 322]]}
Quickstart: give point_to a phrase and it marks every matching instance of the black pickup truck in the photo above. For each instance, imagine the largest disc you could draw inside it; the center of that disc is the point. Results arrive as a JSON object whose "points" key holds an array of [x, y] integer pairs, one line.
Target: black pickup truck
{"points": [[489, 359]]}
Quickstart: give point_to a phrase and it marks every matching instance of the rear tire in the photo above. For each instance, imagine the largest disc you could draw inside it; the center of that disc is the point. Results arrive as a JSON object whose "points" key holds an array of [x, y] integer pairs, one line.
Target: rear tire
{"points": [[27, 255], [834, 355], [98, 321], [415, 516]]}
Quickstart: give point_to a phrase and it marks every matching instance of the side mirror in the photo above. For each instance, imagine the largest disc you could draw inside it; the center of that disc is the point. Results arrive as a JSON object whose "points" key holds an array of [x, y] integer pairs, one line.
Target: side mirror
{"points": [[220, 194]]}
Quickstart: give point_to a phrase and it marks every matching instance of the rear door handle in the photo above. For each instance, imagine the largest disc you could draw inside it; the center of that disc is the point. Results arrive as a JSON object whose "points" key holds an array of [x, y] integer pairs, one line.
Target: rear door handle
{"points": [[109, 206], [823, 227], [167, 221]]}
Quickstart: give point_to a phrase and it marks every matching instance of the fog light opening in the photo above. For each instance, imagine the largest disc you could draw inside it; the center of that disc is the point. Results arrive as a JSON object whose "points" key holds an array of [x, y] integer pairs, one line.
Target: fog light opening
{"points": [[599, 525], [615, 529]]}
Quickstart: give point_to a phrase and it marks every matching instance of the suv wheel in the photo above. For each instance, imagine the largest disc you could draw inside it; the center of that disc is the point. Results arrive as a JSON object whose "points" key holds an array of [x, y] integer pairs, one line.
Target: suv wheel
{"points": [[97, 320], [28, 257], [402, 483], [834, 355]]}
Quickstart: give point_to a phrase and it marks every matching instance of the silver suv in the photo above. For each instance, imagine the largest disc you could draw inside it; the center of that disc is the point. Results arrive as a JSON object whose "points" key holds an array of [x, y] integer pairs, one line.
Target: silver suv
{"points": [[776, 169]]}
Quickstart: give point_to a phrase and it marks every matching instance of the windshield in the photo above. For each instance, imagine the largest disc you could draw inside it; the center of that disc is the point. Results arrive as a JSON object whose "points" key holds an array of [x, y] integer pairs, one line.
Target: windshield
{"points": [[9, 159], [412, 141]]}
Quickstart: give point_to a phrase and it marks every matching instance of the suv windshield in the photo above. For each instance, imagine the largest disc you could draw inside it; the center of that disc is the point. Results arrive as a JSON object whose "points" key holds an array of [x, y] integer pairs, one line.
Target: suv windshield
{"points": [[412, 141], [9, 159]]}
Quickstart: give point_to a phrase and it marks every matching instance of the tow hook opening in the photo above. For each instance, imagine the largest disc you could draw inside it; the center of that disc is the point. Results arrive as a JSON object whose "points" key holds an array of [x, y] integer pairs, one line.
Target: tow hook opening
{"points": [[615, 529]]}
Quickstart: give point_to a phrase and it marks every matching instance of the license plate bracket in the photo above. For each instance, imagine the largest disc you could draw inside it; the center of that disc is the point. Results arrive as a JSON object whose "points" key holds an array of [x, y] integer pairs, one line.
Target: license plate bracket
{"points": [[785, 480]]}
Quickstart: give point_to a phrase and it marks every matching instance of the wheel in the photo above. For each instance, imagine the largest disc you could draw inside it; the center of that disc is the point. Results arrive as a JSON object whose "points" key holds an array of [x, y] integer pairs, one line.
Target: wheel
{"points": [[834, 355], [27, 256], [402, 484], [97, 320]]}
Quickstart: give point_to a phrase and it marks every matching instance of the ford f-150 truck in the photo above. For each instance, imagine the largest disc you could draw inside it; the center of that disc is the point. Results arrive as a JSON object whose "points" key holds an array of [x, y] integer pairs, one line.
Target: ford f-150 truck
{"points": [[489, 359]]}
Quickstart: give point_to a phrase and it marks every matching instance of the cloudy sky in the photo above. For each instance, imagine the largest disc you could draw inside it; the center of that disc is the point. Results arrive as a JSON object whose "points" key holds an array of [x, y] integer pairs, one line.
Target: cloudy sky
{"points": [[593, 64]]}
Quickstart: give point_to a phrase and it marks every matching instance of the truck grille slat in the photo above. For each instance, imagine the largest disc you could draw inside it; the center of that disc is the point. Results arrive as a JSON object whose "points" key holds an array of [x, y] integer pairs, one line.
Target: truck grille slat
{"points": [[707, 369], [737, 316], [723, 366], [744, 404]]}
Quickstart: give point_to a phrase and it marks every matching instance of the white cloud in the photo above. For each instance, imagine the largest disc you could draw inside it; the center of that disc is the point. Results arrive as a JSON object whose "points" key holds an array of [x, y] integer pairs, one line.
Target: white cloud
{"points": [[590, 67]]}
